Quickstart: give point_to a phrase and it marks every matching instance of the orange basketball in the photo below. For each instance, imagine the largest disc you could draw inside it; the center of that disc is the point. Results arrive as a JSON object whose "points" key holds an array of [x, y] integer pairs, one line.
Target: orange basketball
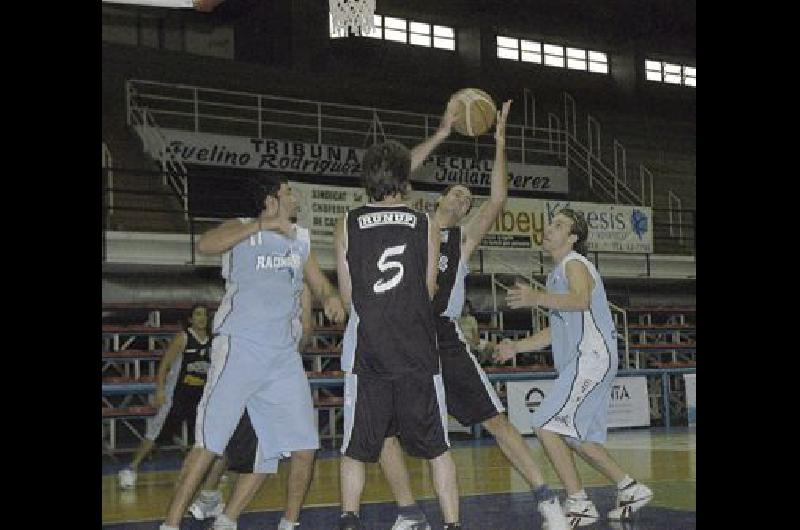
{"points": [[475, 111]]}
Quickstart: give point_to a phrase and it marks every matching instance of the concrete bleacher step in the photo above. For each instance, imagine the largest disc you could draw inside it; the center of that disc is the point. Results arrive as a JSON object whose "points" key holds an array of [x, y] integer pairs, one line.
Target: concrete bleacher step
{"points": [[139, 186]]}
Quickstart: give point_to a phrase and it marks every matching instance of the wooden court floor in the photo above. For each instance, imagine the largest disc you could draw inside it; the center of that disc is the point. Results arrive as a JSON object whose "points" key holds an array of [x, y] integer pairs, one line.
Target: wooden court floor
{"points": [[664, 460]]}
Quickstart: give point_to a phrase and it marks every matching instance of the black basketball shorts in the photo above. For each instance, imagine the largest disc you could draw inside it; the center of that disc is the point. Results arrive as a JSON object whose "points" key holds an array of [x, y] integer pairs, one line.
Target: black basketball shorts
{"points": [[470, 396], [409, 406]]}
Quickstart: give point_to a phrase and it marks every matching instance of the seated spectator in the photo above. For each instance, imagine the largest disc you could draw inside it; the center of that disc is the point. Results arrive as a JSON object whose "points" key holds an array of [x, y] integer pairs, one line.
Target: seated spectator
{"points": [[481, 348]]}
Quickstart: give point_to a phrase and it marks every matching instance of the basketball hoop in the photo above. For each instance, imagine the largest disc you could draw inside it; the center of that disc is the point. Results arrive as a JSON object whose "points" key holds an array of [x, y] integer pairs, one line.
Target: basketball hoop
{"points": [[358, 15]]}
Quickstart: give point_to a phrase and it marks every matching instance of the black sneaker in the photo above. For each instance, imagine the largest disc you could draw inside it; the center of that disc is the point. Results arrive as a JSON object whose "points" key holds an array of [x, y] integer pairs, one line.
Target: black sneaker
{"points": [[350, 521]]}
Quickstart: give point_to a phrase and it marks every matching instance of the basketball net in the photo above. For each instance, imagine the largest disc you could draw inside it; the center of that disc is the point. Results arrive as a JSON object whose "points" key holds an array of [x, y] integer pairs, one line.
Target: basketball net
{"points": [[358, 15]]}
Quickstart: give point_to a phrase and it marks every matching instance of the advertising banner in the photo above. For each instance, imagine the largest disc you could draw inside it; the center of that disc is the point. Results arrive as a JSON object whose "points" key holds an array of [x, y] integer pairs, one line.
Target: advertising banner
{"points": [[519, 226], [336, 160]]}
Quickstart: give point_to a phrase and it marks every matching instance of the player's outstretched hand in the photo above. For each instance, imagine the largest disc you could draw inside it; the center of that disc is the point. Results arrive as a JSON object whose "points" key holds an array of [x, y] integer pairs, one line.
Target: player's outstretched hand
{"points": [[334, 309], [448, 118], [522, 296], [502, 116], [504, 351]]}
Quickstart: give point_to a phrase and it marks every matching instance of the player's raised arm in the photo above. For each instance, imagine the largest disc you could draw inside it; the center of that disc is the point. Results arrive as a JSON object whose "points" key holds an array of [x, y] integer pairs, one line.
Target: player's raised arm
{"points": [[420, 152], [226, 235], [477, 227]]}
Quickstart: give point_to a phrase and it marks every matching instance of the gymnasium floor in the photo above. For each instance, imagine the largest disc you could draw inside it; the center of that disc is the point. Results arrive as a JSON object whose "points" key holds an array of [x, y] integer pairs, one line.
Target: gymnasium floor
{"points": [[493, 496]]}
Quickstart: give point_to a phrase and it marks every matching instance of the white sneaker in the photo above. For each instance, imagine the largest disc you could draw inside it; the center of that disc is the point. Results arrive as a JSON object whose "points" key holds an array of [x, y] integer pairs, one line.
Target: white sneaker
{"points": [[404, 523], [127, 478], [223, 523], [206, 509], [164, 526], [553, 515], [629, 500], [283, 524], [580, 512]]}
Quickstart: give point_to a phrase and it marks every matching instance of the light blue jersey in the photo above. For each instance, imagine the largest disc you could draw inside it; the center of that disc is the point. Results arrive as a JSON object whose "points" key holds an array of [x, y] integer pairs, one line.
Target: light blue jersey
{"points": [[574, 332], [264, 281], [255, 364], [585, 356]]}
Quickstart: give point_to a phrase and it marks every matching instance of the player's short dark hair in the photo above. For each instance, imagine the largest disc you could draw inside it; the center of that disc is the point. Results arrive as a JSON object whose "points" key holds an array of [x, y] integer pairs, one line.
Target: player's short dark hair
{"points": [[188, 324], [447, 190], [579, 227], [258, 190], [386, 169]]}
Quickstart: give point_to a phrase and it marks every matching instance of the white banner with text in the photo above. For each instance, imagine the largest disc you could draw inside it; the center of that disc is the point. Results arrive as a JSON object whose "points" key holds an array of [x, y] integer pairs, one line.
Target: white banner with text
{"points": [[336, 160]]}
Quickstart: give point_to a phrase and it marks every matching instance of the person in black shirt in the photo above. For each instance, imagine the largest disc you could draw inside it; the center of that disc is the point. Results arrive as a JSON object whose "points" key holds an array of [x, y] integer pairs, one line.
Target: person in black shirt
{"points": [[386, 261], [181, 377]]}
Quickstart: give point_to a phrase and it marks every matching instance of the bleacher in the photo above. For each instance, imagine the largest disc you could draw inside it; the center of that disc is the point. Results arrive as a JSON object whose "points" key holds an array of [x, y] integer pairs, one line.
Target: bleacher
{"points": [[660, 338]]}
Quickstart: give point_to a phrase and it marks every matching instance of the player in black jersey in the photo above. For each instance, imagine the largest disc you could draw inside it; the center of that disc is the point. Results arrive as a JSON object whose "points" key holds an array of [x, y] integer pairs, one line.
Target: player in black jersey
{"points": [[386, 262], [179, 387], [470, 397]]}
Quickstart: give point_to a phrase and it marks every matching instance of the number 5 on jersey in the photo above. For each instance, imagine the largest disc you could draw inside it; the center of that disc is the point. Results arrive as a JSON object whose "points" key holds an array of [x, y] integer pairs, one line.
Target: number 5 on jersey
{"points": [[382, 286]]}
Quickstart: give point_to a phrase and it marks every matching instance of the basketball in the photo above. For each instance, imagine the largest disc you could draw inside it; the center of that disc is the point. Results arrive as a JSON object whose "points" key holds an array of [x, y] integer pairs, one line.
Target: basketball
{"points": [[475, 111]]}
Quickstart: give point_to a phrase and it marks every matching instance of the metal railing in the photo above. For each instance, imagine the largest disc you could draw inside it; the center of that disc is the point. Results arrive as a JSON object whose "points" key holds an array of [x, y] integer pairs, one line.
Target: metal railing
{"points": [[586, 159], [252, 115]]}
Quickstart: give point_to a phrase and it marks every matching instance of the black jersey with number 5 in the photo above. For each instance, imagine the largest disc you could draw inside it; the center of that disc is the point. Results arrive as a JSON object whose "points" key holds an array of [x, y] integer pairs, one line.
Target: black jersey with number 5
{"points": [[391, 330]]}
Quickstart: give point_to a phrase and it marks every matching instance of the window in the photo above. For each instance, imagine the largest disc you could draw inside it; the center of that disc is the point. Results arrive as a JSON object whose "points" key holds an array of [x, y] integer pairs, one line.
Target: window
{"points": [[653, 70], [551, 55], [690, 76], [507, 48], [531, 51], [444, 37], [554, 55], [408, 32], [419, 34], [672, 73], [395, 29], [576, 59], [598, 62]]}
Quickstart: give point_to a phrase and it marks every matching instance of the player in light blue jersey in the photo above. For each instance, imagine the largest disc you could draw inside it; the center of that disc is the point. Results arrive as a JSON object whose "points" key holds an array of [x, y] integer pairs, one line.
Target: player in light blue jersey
{"points": [[584, 343], [255, 364]]}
